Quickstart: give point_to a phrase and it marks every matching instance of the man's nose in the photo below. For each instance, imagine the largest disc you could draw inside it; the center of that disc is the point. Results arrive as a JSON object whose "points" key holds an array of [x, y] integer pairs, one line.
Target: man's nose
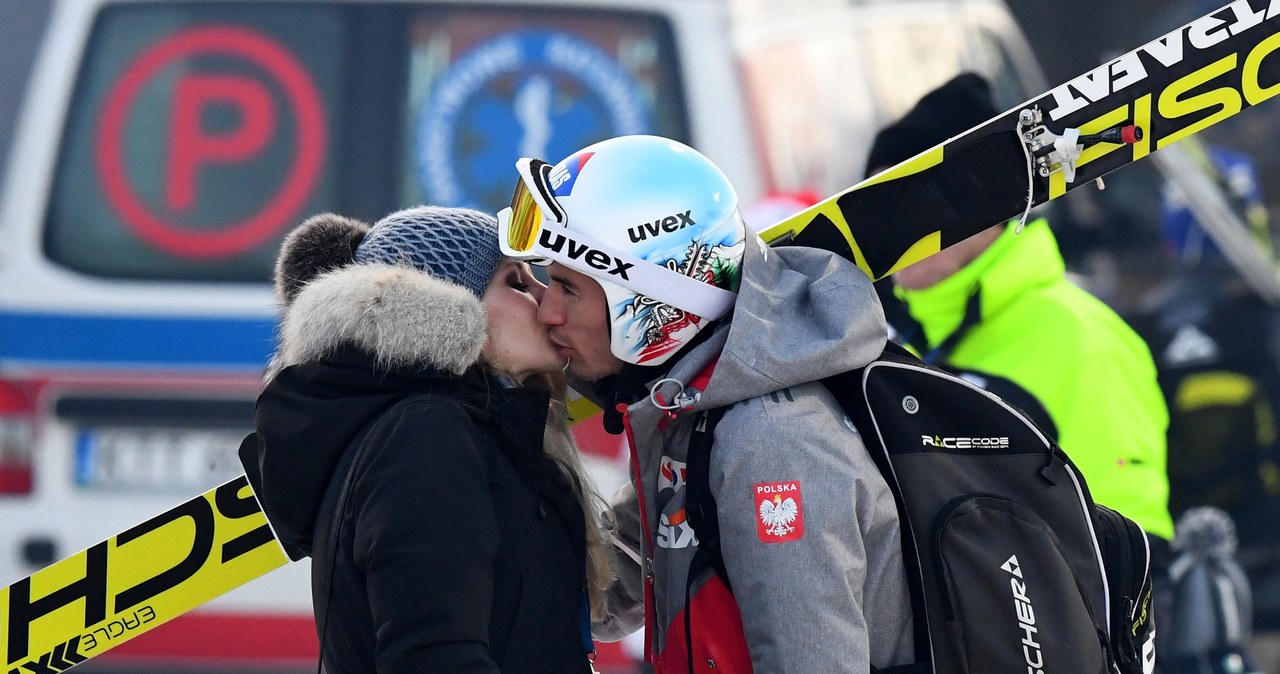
{"points": [[549, 309]]}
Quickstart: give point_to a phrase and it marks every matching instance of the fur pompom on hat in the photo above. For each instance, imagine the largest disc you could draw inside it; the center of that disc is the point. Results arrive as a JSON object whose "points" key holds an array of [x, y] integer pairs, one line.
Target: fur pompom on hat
{"points": [[953, 108], [455, 244], [323, 243]]}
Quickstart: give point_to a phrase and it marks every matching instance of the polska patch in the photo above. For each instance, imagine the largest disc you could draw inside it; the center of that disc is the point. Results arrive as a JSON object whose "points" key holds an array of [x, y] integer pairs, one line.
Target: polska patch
{"points": [[779, 512]]}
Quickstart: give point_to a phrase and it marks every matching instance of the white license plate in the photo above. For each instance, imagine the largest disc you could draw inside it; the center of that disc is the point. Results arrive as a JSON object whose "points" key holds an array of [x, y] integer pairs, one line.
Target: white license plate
{"points": [[167, 459]]}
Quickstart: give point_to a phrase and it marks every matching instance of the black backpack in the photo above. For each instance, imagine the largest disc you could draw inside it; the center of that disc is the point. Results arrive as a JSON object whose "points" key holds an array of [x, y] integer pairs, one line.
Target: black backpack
{"points": [[1011, 566]]}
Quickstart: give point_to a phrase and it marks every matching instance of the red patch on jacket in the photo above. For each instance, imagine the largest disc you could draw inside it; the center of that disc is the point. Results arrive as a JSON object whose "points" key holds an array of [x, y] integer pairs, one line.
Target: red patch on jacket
{"points": [[779, 512]]}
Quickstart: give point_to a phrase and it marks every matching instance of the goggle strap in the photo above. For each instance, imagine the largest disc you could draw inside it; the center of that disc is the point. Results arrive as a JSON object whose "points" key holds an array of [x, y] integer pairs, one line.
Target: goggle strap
{"points": [[535, 173]]}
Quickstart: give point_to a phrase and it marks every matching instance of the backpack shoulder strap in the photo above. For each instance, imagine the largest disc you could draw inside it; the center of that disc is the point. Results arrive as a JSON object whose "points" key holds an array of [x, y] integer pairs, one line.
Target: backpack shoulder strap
{"points": [[847, 389], [700, 505], [327, 533], [325, 538]]}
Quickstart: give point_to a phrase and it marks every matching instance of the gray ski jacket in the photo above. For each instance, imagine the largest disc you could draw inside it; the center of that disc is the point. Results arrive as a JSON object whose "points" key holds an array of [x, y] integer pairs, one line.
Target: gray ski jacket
{"points": [[809, 530]]}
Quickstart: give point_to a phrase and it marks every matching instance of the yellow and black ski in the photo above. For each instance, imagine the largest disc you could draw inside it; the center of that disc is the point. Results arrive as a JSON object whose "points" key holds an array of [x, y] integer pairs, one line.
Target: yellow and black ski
{"points": [[99, 598], [1123, 110], [1119, 112]]}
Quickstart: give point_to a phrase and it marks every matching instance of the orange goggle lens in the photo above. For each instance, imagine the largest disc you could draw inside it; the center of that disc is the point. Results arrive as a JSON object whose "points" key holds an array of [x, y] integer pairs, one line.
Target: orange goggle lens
{"points": [[526, 219]]}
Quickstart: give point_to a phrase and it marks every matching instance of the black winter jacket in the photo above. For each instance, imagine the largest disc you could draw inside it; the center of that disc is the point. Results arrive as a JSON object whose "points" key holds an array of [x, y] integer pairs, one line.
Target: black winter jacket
{"points": [[460, 547]]}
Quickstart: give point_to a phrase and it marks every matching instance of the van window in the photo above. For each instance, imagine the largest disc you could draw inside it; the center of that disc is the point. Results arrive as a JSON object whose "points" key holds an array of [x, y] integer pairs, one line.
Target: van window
{"points": [[201, 133], [21, 33], [908, 60], [901, 58], [582, 77]]}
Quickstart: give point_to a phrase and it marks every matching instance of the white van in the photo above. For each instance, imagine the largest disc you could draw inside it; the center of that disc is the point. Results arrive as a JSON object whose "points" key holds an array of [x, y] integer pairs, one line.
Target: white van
{"points": [[164, 148]]}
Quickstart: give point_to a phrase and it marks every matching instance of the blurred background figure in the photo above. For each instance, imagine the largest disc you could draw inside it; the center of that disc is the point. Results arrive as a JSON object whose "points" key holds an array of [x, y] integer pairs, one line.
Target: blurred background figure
{"points": [[1216, 341], [1208, 628], [998, 309]]}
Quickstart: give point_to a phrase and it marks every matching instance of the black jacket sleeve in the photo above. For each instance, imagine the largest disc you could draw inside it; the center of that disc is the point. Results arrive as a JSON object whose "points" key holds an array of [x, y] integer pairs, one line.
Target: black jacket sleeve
{"points": [[426, 536]]}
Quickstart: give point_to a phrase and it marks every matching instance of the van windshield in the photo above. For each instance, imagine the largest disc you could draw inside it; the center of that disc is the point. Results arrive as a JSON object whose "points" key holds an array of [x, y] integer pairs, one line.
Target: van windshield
{"points": [[908, 60], [199, 134], [901, 56]]}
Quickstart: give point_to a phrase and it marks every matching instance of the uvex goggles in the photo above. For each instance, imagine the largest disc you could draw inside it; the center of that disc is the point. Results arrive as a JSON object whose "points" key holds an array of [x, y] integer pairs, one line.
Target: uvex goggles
{"points": [[533, 229]]}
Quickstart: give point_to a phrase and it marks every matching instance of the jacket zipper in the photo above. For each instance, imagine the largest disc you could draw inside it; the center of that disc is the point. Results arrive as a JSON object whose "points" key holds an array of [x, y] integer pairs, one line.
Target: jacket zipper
{"points": [[638, 482]]}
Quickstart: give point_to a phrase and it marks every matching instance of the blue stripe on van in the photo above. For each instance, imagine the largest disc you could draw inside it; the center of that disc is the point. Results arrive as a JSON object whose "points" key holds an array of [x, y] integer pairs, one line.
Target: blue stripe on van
{"points": [[114, 341]]}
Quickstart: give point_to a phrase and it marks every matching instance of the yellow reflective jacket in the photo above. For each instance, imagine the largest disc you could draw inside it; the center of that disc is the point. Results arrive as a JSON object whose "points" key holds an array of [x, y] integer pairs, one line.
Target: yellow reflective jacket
{"points": [[1092, 373]]}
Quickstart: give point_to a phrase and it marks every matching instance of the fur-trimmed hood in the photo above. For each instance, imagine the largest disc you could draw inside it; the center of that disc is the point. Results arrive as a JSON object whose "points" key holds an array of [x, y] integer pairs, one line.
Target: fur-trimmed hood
{"points": [[402, 316], [355, 341]]}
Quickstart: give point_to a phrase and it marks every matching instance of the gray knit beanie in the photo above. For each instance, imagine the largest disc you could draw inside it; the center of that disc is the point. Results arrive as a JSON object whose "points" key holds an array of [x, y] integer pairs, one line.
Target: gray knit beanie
{"points": [[456, 244]]}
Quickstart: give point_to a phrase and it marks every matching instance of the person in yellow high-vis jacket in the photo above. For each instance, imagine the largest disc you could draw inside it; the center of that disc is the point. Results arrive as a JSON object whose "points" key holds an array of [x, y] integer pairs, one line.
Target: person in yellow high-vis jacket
{"points": [[1091, 373], [999, 307]]}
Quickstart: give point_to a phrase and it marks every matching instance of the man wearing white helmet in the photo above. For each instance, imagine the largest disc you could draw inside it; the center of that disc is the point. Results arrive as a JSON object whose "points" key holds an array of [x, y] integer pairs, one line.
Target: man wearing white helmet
{"points": [[666, 305]]}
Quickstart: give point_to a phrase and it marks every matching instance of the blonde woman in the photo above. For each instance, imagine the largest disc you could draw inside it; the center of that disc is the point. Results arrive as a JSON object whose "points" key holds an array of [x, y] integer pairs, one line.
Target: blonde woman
{"points": [[409, 442]]}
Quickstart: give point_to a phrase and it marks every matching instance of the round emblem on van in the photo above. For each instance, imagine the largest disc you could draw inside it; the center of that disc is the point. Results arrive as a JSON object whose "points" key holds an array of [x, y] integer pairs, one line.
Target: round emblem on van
{"points": [[910, 404], [532, 93]]}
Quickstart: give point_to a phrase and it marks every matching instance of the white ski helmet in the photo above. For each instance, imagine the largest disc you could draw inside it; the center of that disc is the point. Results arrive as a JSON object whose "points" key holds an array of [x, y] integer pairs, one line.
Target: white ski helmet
{"points": [[652, 220]]}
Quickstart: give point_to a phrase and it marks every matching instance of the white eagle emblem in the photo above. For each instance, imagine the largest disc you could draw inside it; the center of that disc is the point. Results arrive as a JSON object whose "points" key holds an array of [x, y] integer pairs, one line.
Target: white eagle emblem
{"points": [[778, 514]]}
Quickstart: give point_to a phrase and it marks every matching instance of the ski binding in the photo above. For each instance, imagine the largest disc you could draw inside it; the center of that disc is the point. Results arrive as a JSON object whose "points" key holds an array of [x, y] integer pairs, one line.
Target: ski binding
{"points": [[1049, 151]]}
